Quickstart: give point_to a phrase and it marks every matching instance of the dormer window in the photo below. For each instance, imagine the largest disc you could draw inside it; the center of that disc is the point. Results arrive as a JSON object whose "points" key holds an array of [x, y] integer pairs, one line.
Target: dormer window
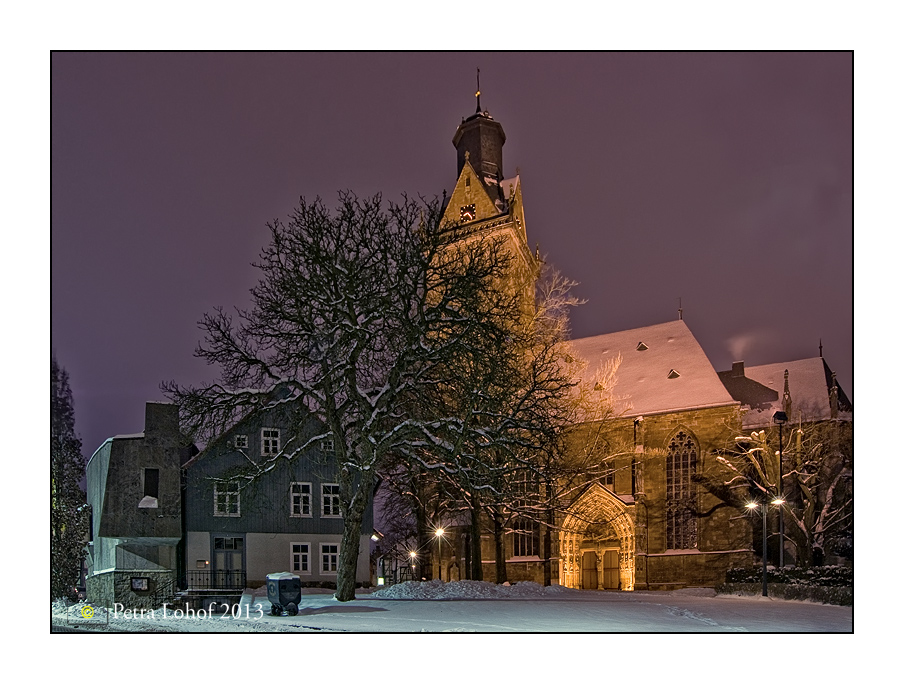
{"points": [[674, 374], [641, 346]]}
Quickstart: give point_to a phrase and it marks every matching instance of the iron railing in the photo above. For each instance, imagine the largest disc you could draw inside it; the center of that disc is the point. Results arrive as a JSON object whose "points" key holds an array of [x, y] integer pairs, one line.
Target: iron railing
{"points": [[214, 579]]}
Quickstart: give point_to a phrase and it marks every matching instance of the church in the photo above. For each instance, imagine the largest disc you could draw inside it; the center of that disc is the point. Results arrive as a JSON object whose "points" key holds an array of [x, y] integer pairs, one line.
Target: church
{"points": [[650, 522]]}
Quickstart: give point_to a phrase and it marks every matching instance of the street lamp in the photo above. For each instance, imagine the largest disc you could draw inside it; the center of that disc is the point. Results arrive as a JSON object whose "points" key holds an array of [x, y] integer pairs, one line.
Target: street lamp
{"points": [[752, 505], [781, 418], [439, 559]]}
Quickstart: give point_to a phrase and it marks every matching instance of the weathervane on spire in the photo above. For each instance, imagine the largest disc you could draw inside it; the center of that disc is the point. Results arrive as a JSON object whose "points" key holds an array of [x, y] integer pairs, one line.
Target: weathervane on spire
{"points": [[477, 94]]}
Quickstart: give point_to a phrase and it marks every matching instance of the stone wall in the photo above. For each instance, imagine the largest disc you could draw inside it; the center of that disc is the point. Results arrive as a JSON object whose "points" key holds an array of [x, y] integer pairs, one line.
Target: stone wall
{"points": [[115, 586], [690, 569]]}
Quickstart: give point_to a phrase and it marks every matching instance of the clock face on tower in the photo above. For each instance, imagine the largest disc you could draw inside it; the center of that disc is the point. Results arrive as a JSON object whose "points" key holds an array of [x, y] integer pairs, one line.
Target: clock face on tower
{"points": [[468, 213]]}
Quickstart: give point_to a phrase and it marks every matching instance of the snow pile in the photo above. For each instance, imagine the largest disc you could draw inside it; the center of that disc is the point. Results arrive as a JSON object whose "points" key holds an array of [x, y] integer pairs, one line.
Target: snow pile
{"points": [[466, 589]]}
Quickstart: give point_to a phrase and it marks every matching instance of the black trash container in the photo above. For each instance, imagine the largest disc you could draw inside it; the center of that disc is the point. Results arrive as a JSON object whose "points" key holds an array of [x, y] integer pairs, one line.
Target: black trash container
{"points": [[284, 592]]}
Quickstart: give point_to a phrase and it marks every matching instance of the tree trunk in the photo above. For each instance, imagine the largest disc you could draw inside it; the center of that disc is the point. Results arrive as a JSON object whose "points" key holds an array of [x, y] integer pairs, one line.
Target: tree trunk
{"points": [[424, 558], [547, 554], [476, 562], [351, 539], [547, 538], [499, 540]]}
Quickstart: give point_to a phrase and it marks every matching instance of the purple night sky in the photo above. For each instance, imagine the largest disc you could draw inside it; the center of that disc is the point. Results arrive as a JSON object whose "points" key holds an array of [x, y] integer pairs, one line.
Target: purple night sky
{"points": [[722, 179]]}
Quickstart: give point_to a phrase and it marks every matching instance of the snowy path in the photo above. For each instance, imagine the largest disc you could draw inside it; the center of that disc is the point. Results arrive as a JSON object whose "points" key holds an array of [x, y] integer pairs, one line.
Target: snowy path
{"points": [[550, 612], [590, 612]]}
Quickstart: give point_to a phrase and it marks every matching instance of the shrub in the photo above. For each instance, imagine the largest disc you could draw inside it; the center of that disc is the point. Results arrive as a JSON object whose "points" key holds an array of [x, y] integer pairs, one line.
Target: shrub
{"points": [[821, 576]]}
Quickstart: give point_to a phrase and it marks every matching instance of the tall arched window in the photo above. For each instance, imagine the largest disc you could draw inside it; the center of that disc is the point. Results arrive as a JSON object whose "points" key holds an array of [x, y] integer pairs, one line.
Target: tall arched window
{"points": [[681, 504]]}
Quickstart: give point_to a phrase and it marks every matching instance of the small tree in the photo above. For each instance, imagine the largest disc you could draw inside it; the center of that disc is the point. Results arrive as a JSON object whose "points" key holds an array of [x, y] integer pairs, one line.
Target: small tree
{"points": [[816, 473], [821, 495], [359, 316], [68, 510]]}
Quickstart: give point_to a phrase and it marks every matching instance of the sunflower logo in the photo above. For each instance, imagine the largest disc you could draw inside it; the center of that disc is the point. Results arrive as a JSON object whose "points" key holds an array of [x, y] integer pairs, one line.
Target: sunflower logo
{"points": [[87, 612]]}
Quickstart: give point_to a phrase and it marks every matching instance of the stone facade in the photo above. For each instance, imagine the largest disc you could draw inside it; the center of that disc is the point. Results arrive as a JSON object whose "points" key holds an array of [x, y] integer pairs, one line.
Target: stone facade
{"points": [[134, 489], [117, 587]]}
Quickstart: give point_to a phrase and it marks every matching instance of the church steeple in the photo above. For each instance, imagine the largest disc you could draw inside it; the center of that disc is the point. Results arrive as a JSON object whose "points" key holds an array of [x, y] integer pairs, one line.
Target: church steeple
{"points": [[477, 94], [479, 140]]}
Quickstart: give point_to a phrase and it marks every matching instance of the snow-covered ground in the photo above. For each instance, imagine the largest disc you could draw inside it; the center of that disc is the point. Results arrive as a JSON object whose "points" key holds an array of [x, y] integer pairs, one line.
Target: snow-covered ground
{"points": [[481, 607]]}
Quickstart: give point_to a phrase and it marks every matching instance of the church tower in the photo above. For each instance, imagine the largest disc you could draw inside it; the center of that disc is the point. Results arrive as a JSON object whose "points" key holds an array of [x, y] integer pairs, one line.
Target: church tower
{"points": [[479, 139], [483, 203]]}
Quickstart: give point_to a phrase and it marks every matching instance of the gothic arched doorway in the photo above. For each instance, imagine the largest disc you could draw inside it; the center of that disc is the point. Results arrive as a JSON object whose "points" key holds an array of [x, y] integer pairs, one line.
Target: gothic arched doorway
{"points": [[596, 516]]}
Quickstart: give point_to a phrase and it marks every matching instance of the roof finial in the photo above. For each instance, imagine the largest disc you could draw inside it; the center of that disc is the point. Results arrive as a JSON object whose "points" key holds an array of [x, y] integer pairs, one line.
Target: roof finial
{"points": [[786, 396], [680, 310], [477, 94], [833, 397], [820, 347]]}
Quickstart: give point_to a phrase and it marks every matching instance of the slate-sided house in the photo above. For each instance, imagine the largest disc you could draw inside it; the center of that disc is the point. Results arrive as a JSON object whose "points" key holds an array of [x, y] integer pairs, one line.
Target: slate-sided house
{"points": [[134, 555], [246, 519]]}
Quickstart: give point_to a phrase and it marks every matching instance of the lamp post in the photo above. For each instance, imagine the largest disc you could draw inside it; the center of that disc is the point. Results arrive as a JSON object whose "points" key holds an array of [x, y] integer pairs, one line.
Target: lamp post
{"points": [[439, 559], [765, 510], [781, 418], [412, 555]]}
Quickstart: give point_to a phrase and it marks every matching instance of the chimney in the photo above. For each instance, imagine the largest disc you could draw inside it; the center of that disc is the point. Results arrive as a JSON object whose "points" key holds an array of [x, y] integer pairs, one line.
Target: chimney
{"points": [[161, 421], [737, 369]]}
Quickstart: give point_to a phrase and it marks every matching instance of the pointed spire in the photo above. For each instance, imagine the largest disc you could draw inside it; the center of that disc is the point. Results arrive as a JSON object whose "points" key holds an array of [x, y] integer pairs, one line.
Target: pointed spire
{"points": [[786, 397], [477, 94], [833, 397]]}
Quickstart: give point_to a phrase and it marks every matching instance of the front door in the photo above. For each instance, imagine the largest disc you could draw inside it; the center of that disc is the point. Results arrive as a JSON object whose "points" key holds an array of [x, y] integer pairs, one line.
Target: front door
{"points": [[589, 573], [610, 569], [228, 570]]}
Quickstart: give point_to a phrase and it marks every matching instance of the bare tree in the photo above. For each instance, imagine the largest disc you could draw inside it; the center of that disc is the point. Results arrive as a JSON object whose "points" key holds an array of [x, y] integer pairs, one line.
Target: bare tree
{"points": [[362, 316], [816, 473], [820, 490]]}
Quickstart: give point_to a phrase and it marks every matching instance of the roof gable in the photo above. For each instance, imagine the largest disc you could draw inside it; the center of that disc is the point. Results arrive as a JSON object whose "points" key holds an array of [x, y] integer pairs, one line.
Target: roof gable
{"points": [[469, 190]]}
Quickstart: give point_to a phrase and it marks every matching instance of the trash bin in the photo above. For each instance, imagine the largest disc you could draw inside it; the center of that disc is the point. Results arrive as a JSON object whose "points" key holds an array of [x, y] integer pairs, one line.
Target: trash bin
{"points": [[283, 592]]}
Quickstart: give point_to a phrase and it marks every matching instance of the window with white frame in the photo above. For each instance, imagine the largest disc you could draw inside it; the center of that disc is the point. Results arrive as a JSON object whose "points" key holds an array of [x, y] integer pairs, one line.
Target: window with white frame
{"points": [[329, 558], [329, 494], [241, 441], [300, 499], [226, 499], [269, 441], [300, 558], [328, 445]]}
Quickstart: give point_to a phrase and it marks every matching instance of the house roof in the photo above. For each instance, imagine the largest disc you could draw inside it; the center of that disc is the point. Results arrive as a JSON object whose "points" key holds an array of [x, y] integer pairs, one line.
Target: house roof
{"points": [[761, 391], [663, 368]]}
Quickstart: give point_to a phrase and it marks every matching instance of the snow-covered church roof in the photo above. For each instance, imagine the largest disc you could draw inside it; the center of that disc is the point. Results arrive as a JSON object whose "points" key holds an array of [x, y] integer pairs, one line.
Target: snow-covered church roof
{"points": [[663, 368], [760, 389]]}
